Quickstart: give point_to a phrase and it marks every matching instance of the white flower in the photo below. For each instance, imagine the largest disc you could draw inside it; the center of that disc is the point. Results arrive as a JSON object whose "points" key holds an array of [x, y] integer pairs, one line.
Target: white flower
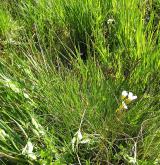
{"points": [[110, 21], [131, 97], [124, 94], [124, 105]]}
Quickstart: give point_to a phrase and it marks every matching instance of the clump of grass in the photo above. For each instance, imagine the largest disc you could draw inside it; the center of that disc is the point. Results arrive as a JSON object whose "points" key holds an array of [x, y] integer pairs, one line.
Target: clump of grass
{"points": [[53, 113]]}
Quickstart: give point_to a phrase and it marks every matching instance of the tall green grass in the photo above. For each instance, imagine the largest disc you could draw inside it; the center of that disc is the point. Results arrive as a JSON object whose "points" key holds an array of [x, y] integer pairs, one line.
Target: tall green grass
{"points": [[63, 67]]}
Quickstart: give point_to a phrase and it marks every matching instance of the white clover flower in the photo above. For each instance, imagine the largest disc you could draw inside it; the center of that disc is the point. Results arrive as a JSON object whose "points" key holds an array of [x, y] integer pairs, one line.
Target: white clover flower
{"points": [[124, 105], [131, 97], [124, 94]]}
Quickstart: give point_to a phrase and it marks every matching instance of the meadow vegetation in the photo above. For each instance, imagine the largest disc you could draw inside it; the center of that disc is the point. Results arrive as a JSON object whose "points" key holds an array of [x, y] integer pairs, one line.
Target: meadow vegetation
{"points": [[63, 67]]}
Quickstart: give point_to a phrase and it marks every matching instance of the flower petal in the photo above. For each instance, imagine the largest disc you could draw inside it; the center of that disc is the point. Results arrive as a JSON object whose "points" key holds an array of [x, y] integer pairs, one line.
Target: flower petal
{"points": [[131, 97], [130, 94], [124, 93], [134, 97]]}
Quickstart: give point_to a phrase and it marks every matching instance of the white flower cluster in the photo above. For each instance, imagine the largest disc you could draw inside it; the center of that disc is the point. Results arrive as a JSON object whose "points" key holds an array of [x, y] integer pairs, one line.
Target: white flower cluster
{"points": [[127, 97], [130, 95]]}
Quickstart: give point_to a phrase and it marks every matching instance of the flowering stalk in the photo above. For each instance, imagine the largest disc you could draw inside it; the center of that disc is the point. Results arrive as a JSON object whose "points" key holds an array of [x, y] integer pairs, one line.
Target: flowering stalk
{"points": [[126, 98]]}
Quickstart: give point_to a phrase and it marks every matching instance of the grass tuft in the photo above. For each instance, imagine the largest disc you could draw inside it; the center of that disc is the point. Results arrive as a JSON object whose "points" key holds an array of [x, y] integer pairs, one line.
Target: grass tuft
{"points": [[63, 68]]}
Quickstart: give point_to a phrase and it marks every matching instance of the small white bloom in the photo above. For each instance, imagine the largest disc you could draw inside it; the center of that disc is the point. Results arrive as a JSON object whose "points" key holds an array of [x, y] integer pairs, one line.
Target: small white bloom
{"points": [[131, 97], [124, 94], [124, 105], [110, 21]]}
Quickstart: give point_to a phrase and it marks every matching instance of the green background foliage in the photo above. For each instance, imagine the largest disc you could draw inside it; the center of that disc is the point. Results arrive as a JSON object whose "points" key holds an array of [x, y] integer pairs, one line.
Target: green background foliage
{"points": [[63, 67]]}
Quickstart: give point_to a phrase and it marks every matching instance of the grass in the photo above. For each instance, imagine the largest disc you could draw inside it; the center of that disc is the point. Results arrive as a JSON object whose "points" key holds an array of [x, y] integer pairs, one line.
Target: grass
{"points": [[63, 67]]}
